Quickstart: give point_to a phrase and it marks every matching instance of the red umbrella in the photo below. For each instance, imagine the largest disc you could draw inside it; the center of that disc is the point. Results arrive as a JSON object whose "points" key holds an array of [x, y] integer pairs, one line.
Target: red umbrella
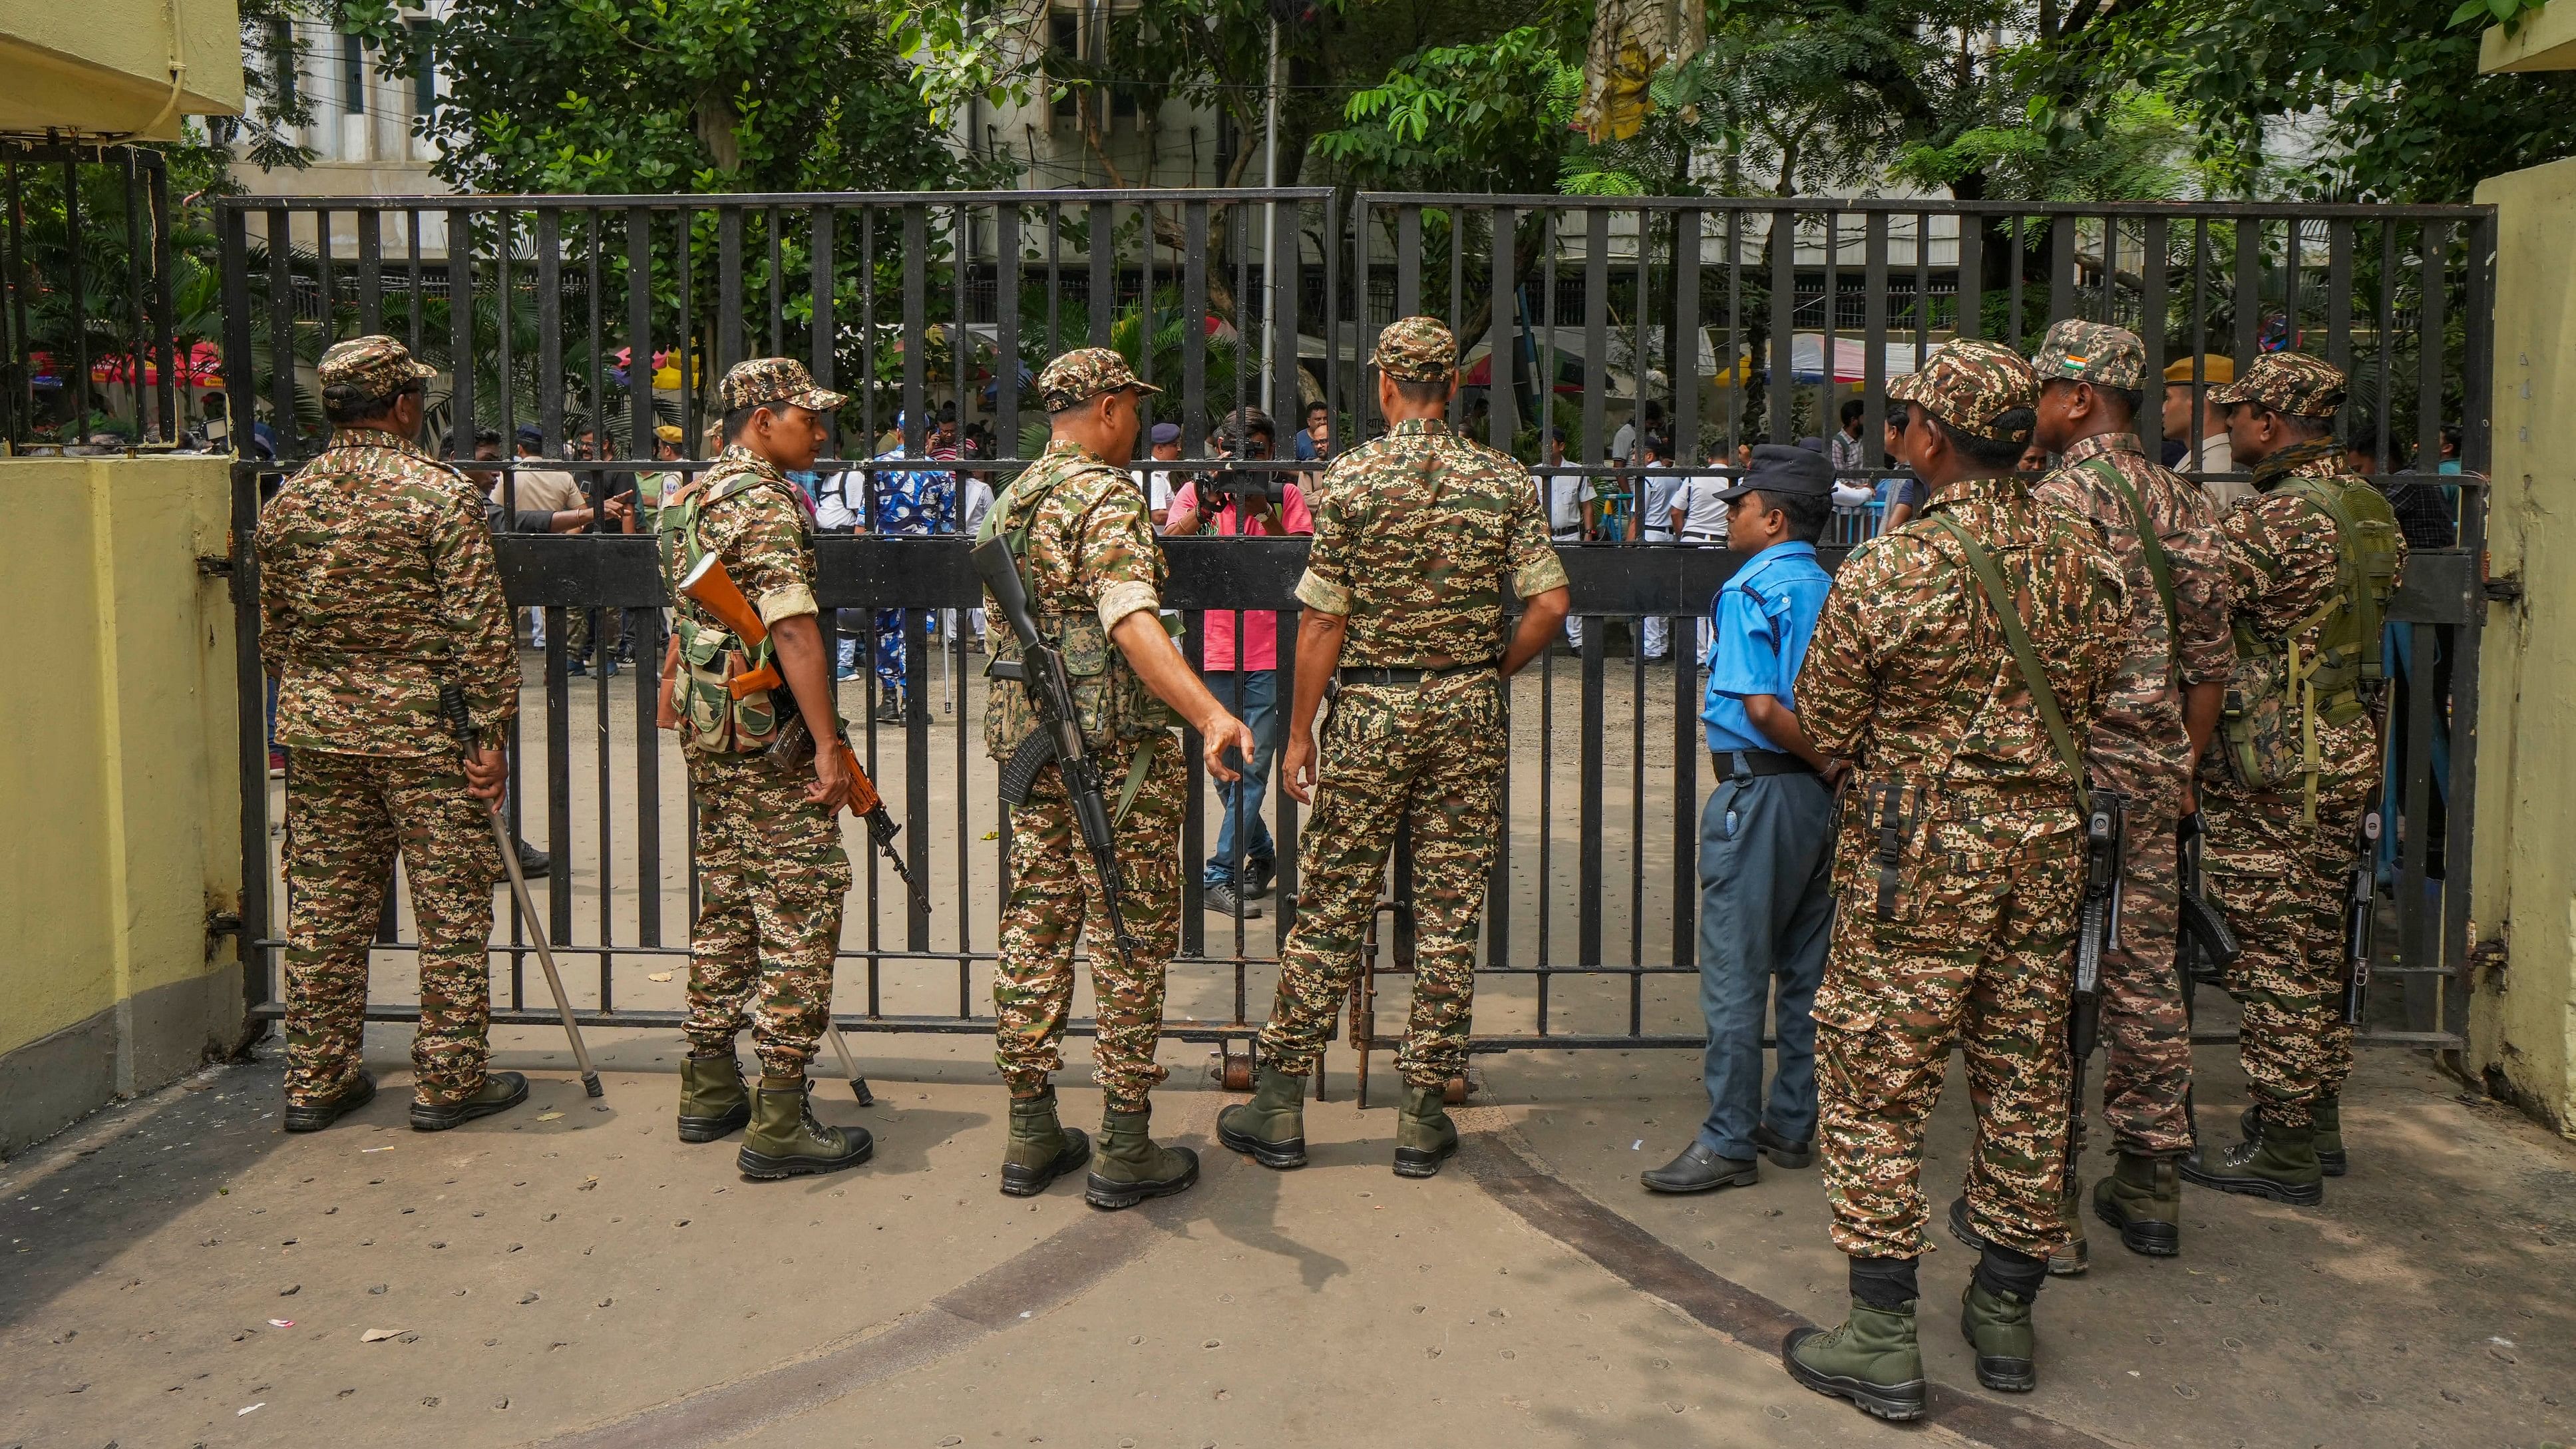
{"points": [[200, 367]]}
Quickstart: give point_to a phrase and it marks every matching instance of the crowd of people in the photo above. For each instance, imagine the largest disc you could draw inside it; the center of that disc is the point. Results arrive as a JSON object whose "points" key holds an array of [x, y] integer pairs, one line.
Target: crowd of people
{"points": [[2071, 675]]}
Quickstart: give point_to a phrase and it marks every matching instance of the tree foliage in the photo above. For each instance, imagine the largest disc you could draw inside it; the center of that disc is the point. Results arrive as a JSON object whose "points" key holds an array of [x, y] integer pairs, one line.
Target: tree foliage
{"points": [[676, 95]]}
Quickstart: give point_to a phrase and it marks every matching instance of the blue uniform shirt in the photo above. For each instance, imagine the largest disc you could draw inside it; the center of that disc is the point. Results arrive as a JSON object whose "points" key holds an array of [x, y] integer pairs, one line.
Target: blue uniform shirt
{"points": [[1763, 619]]}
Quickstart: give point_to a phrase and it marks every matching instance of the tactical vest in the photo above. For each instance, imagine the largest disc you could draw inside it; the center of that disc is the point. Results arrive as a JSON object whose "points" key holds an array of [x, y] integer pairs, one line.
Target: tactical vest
{"points": [[2280, 693], [712, 721], [1109, 698]]}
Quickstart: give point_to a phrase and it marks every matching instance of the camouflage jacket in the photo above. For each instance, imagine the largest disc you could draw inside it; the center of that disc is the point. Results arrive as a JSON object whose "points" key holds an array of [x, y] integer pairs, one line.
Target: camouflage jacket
{"points": [[1910, 677], [2139, 736], [1087, 556], [377, 585], [1414, 534], [2283, 563], [753, 521]]}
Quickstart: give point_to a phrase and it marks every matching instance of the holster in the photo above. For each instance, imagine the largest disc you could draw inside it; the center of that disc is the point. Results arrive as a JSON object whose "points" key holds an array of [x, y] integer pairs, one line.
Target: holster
{"points": [[1895, 823]]}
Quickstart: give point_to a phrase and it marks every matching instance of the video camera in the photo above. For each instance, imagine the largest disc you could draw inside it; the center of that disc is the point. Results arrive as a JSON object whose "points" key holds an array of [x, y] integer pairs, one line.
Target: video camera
{"points": [[1246, 446]]}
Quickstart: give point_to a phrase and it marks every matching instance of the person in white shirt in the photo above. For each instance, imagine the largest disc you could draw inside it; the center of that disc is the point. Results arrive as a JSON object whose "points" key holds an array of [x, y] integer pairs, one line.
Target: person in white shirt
{"points": [[1652, 522], [1157, 482], [1571, 508], [1698, 515]]}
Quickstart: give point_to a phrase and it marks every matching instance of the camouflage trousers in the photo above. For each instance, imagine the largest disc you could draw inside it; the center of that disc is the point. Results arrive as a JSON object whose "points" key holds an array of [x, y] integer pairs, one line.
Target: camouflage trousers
{"points": [[347, 816], [2146, 1033], [772, 875], [1978, 954], [1432, 753], [1054, 890], [2281, 883]]}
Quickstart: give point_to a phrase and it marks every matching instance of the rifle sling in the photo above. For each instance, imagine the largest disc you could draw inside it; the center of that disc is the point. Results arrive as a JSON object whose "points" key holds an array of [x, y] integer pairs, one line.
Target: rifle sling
{"points": [[2159, 563], [1990, 582]]}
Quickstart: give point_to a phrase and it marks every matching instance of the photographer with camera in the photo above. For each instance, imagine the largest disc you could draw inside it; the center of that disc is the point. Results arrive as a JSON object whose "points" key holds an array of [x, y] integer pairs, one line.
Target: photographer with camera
{"points": [[1250, 503]]}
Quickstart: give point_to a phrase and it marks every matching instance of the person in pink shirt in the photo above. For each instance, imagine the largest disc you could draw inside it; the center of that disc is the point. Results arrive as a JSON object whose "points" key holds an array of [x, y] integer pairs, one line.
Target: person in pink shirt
{"points": [[1245, 678]]}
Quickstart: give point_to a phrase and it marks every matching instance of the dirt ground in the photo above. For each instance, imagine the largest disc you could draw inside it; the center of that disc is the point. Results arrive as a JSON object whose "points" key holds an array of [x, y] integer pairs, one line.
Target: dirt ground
{"points": [[179, 1272]]}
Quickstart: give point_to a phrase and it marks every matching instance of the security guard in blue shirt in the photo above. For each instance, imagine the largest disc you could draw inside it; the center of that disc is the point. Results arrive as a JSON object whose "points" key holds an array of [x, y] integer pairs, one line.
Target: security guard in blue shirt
{"points": [[1766, 835]]}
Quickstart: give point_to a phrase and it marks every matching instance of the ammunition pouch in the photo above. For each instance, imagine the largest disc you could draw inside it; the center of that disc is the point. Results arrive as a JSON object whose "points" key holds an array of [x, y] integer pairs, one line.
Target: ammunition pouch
{"points": [[713, 721], [1109, 697]]}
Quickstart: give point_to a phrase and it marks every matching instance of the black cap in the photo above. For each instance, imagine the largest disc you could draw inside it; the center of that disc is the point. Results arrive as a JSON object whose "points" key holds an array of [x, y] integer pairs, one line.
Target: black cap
{"points": [[1783, 470], [531, 436]]}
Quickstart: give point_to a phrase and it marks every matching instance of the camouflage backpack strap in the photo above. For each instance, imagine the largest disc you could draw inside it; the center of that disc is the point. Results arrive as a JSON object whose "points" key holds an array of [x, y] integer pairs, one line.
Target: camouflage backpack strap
{"points": [[1990, 582], [2353, 583], [2159, 563]]}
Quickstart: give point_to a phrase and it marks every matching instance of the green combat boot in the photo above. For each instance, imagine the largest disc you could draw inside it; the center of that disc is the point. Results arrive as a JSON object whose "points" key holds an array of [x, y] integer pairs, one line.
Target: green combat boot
{"points": [[1424, 1135], [2273, 1161], [500, 1092], [1131, 1168], [713, 1099], [1041, 1149], [1272, 1126], [786, 1141], [1872, 1360], [2327, 1114], [1997, 1326], [2142, 1199]]}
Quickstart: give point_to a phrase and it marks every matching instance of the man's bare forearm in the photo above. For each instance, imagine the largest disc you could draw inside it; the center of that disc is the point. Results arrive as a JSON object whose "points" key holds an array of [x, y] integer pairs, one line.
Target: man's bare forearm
{"points": [[1541, 616], [1319, 654], [1779, 724], [798, 642], [1140, 636]]}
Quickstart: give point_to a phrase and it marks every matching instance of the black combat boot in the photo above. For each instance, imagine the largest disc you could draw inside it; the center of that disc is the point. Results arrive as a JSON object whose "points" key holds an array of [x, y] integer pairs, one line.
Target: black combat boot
{"points": [[1131, 1167], [1041, 1149], [2069, 1261], [786, 1141], [314, 1116], [1272, 1126], [2273, 1161], [2142, 1198], [501, 1091], [713, 1099]]}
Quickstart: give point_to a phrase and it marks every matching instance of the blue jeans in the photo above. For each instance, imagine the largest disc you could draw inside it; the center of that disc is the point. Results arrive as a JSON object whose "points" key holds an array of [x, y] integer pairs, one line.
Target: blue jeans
{"points": [[1766, 911], [1252, 695]]}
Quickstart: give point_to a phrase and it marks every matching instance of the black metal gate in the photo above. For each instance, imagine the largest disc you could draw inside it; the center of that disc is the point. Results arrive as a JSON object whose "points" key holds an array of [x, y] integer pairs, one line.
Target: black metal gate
{"points": [[1739, 319]]}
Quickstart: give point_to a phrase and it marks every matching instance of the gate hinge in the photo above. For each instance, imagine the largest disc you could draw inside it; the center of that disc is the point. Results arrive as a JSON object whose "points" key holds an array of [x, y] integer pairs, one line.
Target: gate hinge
{"points": [[2504, 591], [219, 924], [215, 565]]}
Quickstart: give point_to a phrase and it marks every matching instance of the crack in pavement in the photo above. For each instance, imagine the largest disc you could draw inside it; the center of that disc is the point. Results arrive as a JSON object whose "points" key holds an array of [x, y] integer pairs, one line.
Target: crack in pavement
{"points": [[1502, 1162]]}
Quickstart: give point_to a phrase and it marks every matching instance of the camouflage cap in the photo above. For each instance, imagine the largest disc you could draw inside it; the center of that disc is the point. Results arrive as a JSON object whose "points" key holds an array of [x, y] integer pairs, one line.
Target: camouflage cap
{"points": [[763, 381], [2287, 382], [1083, 374], [378, 364], [1416, 349], [1969, 384], [2094, 352]]}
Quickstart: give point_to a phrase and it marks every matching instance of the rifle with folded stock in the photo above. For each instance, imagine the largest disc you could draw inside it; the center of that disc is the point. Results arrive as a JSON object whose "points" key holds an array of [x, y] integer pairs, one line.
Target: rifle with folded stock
{"points": [[2097, 930], [1058, 741], [2361, 911]]}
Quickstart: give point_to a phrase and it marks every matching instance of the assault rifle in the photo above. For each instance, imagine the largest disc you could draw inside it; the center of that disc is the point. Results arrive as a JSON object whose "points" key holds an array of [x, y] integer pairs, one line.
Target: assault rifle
{"points": [[1058, 741], [2097, 930], [2361, 912], [2206, 942]]}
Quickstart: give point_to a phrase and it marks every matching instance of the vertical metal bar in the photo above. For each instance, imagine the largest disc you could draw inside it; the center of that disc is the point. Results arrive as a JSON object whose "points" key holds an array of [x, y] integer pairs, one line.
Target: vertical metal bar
{"points": [[2014, 334], [2477, 402], [1006, 329], [136, 354], [558, 776], [328, 329], [820, 283], [2385, 454], [250, 683], [916, 780], [1736, 362], [1194, 231], [1281, 273], [2434, 249], [1408, 259], [728, 302], [460, 333], [640, 417], [648, 744], [1685, 334], [550, 392], [165, 306], [693, 362], [1102, 245], [281, 341], [2249, 289], [417, 304], [504, 304], [1968, 311], [1874, 332], [2152, 243], [1055, 279], [2339, 293], [2061, 267], [20, 363], [1596, 639], [371, 268], [1332, 357], [1777, 423], [1596, 368], [1363, 319], [1686, 748], [769, 224], [916, 303]]}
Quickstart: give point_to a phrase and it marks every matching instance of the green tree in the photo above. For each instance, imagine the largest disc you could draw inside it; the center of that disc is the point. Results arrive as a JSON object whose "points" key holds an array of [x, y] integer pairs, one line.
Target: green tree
{"points": [[597, 96]]}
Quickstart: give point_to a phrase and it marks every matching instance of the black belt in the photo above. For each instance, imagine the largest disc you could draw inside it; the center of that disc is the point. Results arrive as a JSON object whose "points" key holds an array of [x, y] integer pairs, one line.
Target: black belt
{"points": [[1368, 674], [1758, 762]]}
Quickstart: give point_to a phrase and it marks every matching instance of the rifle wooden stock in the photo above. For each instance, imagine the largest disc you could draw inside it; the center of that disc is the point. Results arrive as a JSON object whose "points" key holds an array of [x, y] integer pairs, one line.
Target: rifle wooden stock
{"points": [[715, 591]]}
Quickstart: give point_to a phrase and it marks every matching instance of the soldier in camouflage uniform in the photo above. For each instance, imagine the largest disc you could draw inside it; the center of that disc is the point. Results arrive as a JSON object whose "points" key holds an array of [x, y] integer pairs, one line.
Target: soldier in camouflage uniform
{"points": [[376, 587], [2312, 561], [2159, 717], [1078, 530], [1957, 872], [1416, 533], [772, 867]]}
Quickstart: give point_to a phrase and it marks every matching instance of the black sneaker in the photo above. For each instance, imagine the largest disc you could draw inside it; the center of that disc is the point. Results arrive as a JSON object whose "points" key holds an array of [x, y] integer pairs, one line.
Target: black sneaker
{"points": [[1258, 874], [501, 1092], [314, 1116], [1221, 898], [534, 864]]}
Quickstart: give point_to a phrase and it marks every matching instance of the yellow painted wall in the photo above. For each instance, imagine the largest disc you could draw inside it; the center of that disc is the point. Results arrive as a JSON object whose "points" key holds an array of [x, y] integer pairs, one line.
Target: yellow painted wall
{"points": [[104, 66], [119, 811], [2522, 1025]]}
